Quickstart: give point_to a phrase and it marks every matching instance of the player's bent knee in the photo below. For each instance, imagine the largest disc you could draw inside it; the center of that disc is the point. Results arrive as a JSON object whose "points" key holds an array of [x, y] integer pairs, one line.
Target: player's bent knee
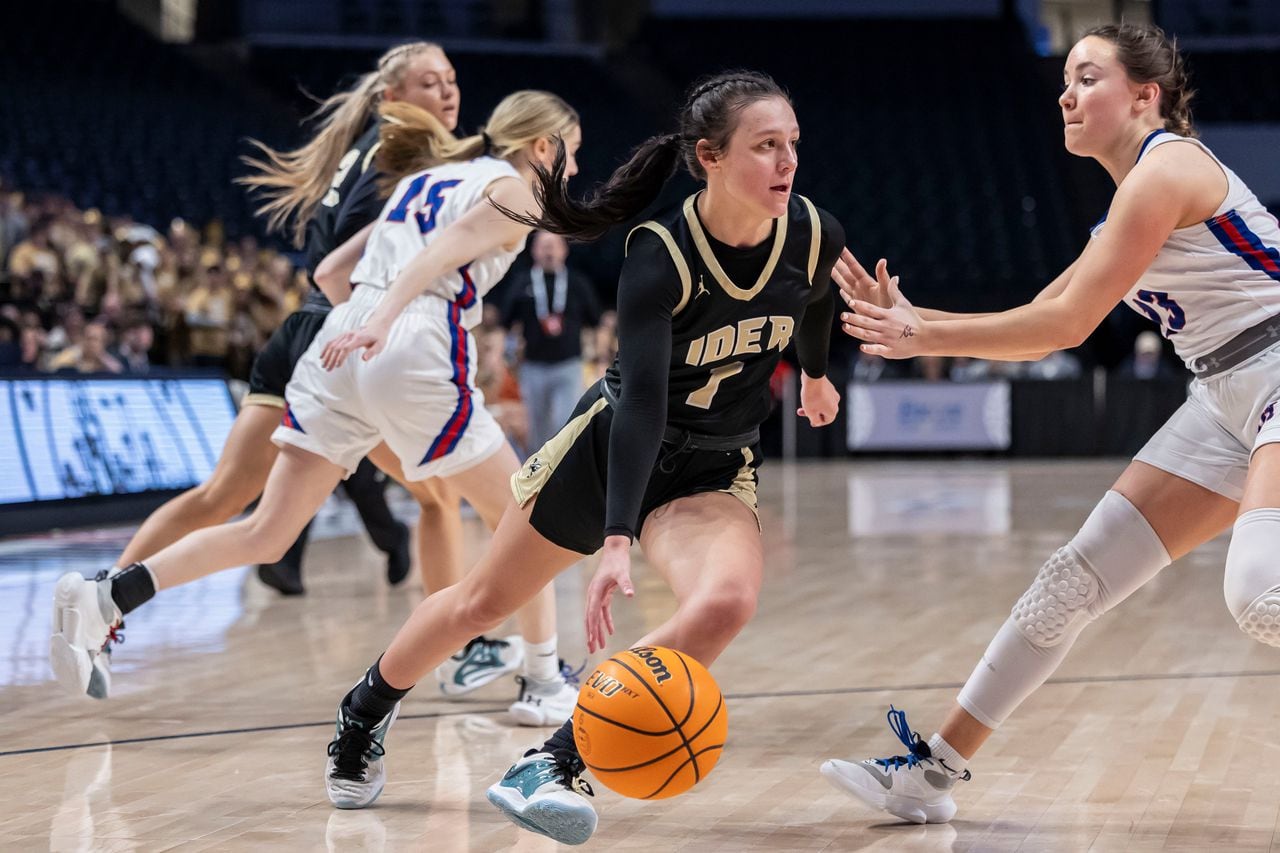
{"points": [[724, 612], [1251, 583], [1059, 601], [1260, 620], [482, 609], [222, 498]]}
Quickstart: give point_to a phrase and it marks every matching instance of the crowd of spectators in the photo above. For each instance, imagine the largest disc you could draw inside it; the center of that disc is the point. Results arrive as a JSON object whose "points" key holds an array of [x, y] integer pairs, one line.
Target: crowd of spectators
{"points": [[88, 292]]}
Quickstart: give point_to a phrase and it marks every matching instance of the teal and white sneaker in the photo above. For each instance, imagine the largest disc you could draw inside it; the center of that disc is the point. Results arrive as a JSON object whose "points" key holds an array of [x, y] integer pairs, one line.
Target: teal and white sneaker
{"points": [[355, 775], [915, 787], [85, 624], [544, 794], [482, 661]]}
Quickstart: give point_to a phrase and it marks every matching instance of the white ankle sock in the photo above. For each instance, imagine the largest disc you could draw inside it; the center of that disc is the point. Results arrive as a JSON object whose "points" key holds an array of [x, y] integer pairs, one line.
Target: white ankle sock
{"points": [[541, 663], [944, 752]]}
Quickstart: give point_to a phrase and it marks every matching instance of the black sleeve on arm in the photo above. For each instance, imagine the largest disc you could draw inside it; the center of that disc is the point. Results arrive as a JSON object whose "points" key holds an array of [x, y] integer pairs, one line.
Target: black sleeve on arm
{"points": [[648, 292], [813, 338]]}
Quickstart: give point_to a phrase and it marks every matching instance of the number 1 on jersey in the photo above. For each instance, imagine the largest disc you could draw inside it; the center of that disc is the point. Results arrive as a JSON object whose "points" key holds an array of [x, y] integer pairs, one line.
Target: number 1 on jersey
{"points": [[434, 200], [701, 399]]}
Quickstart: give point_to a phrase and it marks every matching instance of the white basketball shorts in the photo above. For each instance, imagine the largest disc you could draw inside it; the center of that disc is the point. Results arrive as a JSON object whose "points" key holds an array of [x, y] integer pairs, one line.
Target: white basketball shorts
{"points": [[418, 394], [1211, 437]]}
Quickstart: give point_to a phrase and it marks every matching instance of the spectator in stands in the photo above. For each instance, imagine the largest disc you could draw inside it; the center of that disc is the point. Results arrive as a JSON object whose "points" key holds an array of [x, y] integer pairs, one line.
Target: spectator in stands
{"points": [[34, 254], [1147, 360], [90, 355], [208, 315], [136, 339], [550, 312]]}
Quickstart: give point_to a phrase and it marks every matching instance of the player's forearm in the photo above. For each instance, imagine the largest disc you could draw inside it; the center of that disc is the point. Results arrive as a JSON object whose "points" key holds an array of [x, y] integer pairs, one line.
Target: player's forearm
{"points": [[1039, 327]]}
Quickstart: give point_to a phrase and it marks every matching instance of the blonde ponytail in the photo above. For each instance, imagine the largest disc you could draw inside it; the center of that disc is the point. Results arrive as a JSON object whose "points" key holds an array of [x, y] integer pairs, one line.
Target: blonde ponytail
{"points": [[293, 183]]}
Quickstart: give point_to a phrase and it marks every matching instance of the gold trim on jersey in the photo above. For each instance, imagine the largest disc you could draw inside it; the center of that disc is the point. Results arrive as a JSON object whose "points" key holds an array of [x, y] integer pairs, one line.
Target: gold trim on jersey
{"points": [[538, 468], [368, 157], [260, 399], [815, 236], [743, 486], [717, 271], [677, 258]]}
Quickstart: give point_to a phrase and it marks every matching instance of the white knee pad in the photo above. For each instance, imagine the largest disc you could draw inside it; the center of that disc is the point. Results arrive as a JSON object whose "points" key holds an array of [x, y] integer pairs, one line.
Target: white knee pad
{"points": [[1251, 583], [1063, 593], [1113, 554]]}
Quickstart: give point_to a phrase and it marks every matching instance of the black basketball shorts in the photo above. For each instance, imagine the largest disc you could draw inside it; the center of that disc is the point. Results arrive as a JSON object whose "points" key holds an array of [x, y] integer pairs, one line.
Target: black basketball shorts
{"points": [[273, 366], [568, 476]]}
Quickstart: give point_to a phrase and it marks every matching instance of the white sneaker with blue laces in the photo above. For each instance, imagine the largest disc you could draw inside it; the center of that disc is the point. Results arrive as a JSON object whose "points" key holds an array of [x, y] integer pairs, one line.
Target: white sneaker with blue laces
{"points": [[544, 794], [915, 787]]}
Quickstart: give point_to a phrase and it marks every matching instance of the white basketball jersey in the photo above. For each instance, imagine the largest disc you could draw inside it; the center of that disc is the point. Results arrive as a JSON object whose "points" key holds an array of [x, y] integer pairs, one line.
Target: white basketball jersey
{"points": [[419, 209], [1212, 280]]}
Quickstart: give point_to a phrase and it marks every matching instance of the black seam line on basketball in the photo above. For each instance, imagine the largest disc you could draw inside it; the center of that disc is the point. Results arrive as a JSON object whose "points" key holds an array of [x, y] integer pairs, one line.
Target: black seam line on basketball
{"points": [[955, 685], [689, 677], [596, 769], [694, 759], [697, 773], [624, 726], [243, 731], [661, 704]]}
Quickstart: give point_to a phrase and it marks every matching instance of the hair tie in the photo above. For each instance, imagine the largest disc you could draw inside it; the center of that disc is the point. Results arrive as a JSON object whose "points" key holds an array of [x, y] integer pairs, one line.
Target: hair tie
{"points": [[487, 140]]}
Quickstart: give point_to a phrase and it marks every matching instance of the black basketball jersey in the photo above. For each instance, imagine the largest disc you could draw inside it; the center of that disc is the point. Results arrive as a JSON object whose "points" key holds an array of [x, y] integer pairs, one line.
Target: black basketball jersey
{"points": [[727, 333], [352, 202]]}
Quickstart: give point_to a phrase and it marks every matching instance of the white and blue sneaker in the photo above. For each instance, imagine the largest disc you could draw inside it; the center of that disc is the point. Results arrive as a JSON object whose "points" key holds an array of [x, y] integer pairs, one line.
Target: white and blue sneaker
{"points": [[915, 787], [544, 794], [355, 774], [547, 703], [482, 661], [86, 622]]}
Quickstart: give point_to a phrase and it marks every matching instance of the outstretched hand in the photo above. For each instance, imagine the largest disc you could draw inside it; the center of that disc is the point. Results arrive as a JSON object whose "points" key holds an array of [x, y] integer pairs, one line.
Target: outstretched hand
{"points": [[893, 330], [613, 573], [372, 339]]}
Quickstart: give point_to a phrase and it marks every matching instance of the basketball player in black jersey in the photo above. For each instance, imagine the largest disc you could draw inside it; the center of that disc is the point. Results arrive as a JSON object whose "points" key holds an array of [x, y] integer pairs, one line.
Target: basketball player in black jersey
{"points": [[665, 448]]}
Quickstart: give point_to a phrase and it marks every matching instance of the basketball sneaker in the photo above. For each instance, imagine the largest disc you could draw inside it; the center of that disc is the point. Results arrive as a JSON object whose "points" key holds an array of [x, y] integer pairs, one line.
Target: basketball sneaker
{"points": [[915, 787], [546, 703], [354, 775], [86, 622], [480, 662], [544, 794]]}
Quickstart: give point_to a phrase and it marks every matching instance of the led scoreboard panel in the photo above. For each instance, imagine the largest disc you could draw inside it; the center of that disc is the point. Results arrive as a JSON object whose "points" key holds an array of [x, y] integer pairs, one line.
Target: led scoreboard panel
{"points": [[76, 437]]}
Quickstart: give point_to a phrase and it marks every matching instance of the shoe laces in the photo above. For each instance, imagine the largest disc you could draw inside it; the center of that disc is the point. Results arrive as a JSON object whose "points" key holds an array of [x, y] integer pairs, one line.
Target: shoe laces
{"points": [[115, 636], [485, 649], [115, 633], [352, 749], [917, 749], [565, 769], [571, 675]]}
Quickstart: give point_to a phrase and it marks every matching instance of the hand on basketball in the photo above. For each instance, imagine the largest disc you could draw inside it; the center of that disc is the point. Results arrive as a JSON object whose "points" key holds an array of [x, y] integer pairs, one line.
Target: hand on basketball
{"points": [[855, 283], [613, 573], [893, 332], [819, 400], [369, 338]]}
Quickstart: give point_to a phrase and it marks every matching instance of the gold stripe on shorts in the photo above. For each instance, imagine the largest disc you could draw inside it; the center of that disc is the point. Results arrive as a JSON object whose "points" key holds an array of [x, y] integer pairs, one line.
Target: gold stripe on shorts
{"points": [[262, 400], [533, 475], [743, 486]]}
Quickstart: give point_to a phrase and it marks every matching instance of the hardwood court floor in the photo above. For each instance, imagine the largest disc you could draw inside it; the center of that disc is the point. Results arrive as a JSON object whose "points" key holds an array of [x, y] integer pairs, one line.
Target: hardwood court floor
{"points": [[885, 582]]}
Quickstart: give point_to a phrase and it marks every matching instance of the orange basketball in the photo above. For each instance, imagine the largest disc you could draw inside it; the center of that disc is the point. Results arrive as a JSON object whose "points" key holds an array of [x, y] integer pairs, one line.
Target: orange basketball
{"points": [[650, 723]]}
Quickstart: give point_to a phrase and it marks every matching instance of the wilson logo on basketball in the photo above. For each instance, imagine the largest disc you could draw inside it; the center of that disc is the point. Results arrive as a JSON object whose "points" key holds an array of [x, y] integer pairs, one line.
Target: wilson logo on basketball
{"points": [[651, 660]]}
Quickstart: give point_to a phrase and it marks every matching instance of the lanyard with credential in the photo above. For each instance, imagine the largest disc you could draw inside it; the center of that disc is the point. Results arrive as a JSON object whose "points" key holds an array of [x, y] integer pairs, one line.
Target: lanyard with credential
{"points": [[552, 320]]}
